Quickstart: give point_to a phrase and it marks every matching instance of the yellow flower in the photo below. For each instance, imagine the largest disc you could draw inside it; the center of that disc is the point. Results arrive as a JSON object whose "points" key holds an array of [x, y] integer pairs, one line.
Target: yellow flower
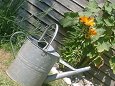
{"points": [[91, 32], [89, 21]]}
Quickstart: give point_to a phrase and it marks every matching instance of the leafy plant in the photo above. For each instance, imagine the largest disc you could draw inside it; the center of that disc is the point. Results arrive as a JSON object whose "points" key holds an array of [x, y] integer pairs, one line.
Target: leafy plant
{"points": [[10, 22], [89, 35], [8, 13]]}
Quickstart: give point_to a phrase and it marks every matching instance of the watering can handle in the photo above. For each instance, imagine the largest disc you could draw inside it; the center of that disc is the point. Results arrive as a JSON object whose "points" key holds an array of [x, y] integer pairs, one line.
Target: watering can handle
{"points": [[19, 32], [54, 35]]}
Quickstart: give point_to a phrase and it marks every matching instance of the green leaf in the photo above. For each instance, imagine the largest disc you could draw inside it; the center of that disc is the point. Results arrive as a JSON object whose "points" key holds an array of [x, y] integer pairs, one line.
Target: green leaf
{"points": [[99, 21], [100, 33], [71, 14], [113, 5], [113, 44], [109, 22], [104, 46], [112, 63], [108, 7], [67, 21], [92, 6], [99, 62], [113, 31], [89, 51], [91, 54], [85, 13]]}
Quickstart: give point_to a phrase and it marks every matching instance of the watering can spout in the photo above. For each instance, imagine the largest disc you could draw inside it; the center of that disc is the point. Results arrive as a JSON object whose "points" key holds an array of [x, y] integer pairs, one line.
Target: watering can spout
{"points": [[66, 74]]}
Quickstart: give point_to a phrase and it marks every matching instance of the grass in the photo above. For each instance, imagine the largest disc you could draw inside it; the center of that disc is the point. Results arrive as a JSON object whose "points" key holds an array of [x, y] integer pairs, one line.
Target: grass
{"points": [[56, 83], [5, 81], [8, 13], [5, 61]]}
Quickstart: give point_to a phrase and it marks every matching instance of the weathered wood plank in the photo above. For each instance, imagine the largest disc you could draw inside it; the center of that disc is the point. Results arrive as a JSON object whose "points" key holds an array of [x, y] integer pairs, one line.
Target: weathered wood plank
{"points": [[43, 7], [29, 17], [93, 79], [33, 21], [112, 1], [100, 1], [57, 6], [70, 5], [49, 3], [99, 78], [105, 69], [48, 20], [41, 20], [44, 19], [102, 76], [81, 3], [24, 23]]}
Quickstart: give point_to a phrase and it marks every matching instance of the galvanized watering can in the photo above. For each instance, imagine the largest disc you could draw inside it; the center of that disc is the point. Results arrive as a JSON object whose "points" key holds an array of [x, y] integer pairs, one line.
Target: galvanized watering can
{"points": [[35, 60]]}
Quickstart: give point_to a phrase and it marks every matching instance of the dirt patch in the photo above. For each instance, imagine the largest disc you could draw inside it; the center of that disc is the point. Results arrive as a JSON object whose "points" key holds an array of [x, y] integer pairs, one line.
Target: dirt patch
{"points": [[4, 59]]}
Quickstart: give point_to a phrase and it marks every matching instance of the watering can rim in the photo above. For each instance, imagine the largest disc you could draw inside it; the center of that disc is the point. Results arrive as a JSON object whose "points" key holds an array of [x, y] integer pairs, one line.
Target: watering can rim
{"points": [[50, 52]]}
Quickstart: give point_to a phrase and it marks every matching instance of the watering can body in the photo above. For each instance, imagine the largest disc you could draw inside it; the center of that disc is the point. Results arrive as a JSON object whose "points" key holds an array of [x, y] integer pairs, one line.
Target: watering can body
{"points": [[35, 60], [32, 64]]}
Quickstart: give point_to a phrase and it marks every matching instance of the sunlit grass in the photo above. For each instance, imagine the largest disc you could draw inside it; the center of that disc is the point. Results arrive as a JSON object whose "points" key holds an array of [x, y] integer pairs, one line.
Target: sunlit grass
{"points": [[6, 81]]}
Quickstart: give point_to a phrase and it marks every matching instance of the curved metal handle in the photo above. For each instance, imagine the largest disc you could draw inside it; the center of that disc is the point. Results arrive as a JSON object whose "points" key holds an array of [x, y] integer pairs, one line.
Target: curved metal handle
{"points": [[19, 32], [54, 35]]}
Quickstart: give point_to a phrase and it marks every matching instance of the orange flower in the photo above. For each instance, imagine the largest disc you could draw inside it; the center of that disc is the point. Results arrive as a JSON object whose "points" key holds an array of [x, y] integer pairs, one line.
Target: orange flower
{"points": [[92, 31], [89, 21], [83, 19]]}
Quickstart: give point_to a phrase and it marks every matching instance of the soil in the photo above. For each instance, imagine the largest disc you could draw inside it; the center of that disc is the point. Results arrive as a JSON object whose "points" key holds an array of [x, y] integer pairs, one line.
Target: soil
{"points": [[4, 58]]}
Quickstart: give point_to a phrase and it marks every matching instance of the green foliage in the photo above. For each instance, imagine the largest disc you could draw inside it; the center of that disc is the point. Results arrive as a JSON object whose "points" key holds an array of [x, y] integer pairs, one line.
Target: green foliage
{"points": [[112, 63], [8, 13], [70, 19], [10, 22], [90, 34], [5, 81]]}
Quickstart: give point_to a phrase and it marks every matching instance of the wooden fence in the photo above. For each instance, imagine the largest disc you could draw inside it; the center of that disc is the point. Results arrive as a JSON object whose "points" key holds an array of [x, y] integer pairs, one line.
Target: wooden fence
{"points": [[102, 76]]}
